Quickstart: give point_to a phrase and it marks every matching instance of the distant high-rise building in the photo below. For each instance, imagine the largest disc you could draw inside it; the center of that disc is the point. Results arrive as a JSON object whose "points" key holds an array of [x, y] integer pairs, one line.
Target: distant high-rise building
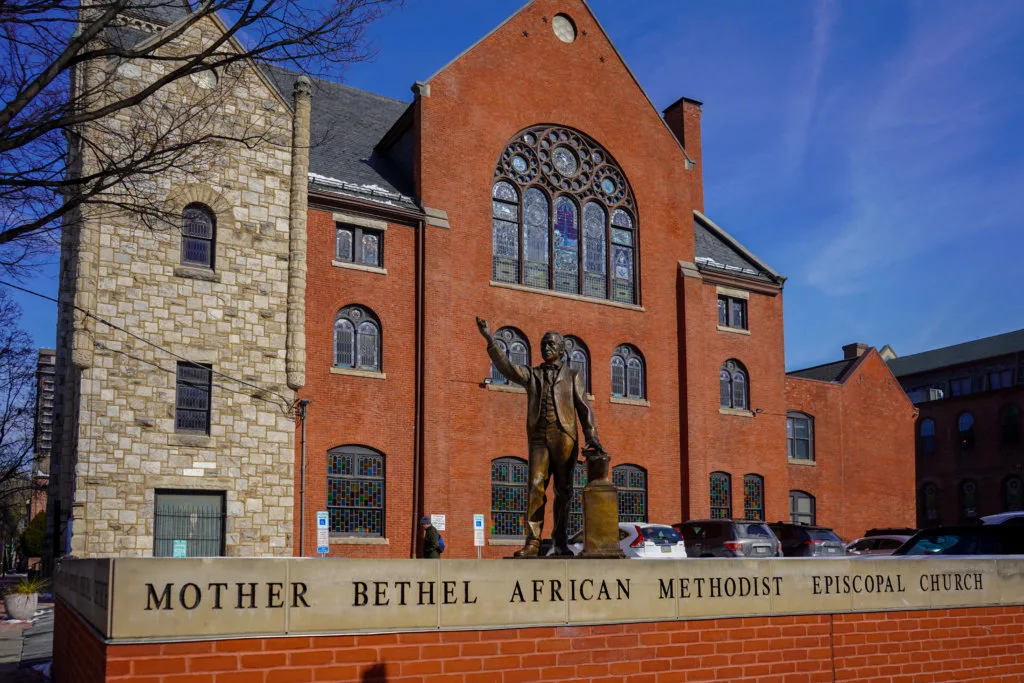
{"points": [[46, 370]]}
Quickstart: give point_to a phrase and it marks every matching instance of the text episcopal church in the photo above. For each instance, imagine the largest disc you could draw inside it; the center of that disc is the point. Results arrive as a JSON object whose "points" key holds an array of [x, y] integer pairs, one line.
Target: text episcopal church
{"points": [[347, 273]]}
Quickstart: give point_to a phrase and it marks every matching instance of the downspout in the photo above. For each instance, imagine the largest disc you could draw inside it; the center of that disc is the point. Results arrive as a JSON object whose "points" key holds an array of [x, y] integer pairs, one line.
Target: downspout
{"points": [[418, 446], [303, 405]]}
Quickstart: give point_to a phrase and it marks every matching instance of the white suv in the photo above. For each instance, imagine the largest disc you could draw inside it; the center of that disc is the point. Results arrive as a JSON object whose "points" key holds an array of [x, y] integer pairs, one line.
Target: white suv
{"points": [[640, 541]]}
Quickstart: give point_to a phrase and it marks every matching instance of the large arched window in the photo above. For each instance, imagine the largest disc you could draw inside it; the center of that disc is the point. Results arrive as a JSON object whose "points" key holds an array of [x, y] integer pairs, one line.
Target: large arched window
{"points": [[631, 481], [969, 499], [733, 387], [198, 230], [965, 427], [508, 496], [563, 216], [357, 339], [578, 358], [1009, 423], [721, 495], [801, 508], [926, 436], [628, 372], [753, 497], [1013, 494], [930, 503], [355, 491], [516, 348]]}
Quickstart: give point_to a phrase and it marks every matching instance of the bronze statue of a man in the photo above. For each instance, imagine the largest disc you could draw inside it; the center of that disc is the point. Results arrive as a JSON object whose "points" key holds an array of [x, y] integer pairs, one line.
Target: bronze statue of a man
{"points": [[556, 395]]}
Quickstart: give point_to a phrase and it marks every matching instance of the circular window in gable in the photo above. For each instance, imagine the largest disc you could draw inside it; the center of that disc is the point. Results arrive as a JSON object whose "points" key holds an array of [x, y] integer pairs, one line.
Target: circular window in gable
{"points": [[564, 28]]}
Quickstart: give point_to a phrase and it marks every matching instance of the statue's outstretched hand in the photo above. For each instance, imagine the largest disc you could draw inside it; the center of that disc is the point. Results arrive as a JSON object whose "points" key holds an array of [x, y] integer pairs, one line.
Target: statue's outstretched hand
{"points": [[485, 330]]}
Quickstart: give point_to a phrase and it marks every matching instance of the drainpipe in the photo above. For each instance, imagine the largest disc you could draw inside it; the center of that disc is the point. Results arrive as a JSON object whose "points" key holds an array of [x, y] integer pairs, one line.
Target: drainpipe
{"points": [[303, 404], [419, 439]]}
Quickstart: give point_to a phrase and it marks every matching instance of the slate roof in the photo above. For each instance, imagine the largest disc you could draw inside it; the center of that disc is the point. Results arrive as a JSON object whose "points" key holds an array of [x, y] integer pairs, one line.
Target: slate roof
{"points": [[828, 372], [716, 250], [345, 126], [958, 354], [159, 11]]}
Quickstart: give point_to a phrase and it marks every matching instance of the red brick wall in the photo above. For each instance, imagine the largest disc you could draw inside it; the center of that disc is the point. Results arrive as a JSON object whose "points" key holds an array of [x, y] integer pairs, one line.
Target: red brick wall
{"points": [[973, 644], [78, 655], [348, 410]]}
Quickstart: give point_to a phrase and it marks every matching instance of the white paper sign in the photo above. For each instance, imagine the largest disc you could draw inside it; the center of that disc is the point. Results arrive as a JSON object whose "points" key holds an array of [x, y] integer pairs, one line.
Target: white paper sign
{"points": [[437, 521]]}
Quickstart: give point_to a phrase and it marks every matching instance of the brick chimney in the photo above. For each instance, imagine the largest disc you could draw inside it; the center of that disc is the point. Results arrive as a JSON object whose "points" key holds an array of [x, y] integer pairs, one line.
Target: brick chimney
{"points": [[683, 119], [855, 350]]}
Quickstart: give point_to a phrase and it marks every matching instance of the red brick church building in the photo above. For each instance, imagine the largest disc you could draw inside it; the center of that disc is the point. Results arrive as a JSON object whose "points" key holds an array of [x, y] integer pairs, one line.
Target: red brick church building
{"points": [[557, 199]]}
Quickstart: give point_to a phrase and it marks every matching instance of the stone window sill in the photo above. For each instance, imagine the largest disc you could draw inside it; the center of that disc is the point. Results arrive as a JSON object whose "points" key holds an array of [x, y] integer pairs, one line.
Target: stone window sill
{"points": [[734, 411], [734, 330], [507, 388], [352, 372], [642, 402], [507, 541], [358, 540], [359, 266], [197, 273], [196, 440], [563, 295], [803, 463]]}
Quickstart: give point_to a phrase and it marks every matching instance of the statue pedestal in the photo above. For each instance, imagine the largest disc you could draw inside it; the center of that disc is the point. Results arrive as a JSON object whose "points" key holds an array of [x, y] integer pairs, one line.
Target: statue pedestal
{"points": [[600, 511]]}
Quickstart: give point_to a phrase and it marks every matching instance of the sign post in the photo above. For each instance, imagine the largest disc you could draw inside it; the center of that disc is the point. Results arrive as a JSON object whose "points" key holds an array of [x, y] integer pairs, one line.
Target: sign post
{"points": [[478, 533], [322, 534]]}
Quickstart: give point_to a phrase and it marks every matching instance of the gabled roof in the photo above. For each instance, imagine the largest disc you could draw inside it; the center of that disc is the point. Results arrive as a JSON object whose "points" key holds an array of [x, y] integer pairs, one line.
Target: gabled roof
{"points": [[958, 354], [717, 251], [828, 372], [345, 126], [159, 11]]}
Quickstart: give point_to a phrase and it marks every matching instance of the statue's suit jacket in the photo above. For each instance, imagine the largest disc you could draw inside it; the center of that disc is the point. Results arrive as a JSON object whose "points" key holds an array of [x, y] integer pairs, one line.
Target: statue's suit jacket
{"points": [[570, 394]]}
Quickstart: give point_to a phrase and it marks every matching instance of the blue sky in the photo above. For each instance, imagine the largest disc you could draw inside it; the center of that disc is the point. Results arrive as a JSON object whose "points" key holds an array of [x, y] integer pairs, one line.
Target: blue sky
{"points": [[871, 150]]}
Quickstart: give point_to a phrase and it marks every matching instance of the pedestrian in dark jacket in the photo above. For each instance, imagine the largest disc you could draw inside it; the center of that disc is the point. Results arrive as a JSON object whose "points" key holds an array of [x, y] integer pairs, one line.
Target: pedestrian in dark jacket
{"points": [[431, 540]]}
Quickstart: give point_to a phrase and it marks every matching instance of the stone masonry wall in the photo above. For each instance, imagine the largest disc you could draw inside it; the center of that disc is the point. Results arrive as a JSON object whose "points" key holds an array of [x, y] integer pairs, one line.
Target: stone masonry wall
{"points": [[232, 317]]}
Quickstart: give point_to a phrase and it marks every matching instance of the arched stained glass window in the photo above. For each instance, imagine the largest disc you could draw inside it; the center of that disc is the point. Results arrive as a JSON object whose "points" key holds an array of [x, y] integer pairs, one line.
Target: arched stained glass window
{"points": [[557, 171], [965, 426], [198, 228], [508, 497], [579, 482], [969, 499], [631, 481], [926, 436], [628, 373], [1009, 421], [355, 491], [578, 358], [732, 385], [930, 502], [721, 495], [357, 339], [753, 497], [513, 343], [1013, 494]]}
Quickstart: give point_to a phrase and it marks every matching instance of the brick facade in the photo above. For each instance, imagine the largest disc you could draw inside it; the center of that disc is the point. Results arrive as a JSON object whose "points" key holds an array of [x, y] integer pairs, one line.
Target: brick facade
{"points": [[969, 644]]}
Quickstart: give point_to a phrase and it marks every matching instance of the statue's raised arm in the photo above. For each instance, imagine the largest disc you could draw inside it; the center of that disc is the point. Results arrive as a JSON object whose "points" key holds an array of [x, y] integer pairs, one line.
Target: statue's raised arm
{"points": [[520, 374]]}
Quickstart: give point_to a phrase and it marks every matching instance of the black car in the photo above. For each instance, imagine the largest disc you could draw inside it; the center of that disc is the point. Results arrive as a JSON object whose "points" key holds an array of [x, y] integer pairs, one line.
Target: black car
{"points": [[803, 540], [999, 539]]}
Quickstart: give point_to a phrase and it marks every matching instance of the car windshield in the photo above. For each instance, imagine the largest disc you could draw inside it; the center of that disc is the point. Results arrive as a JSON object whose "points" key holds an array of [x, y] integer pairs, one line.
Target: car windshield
{"points": [[662, 535], [754, 530], [962, 543], [823, 535]]}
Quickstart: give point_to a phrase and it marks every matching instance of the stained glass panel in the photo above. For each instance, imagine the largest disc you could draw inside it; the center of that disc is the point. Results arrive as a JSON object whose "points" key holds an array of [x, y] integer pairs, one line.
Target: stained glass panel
{"points": [[579, 482], [578, 361], [623, 237], [536, 222], [631, 482], [343, 244], [721, 496], [344, 344], [618, 376], [355, 491], [508, 497], [566, 246], [371, 254], [505, 192], [634, 378], [623, 220], [753, 497], [368, 345], [622, 274], [723, 312], [931, 502], [739, 390], [724, 389], [505, 247], [595, 255]]}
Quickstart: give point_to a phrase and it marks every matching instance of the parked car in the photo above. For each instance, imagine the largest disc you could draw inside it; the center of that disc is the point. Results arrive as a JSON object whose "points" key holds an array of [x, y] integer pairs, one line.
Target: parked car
{"points": [[876, 545], [728, 538], [643, 542], [995, 539], [1014, 518], [803, 540]]}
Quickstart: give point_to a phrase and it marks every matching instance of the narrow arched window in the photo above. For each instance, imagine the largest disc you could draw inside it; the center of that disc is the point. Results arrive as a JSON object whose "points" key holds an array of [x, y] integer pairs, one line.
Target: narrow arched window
{"points": [[800, 436], [1013, 494], [568, 183], [357, 339], [753, 497], [930, 503], [732, 386], [1009, 422], [969, 499], [198, 232], [508, 496], [965, 427], [926, 436], [801, 508], [721, 495], [628, 373], [355, 491], [578, 358], [579, 482], [631, 482], [513, 343]]}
